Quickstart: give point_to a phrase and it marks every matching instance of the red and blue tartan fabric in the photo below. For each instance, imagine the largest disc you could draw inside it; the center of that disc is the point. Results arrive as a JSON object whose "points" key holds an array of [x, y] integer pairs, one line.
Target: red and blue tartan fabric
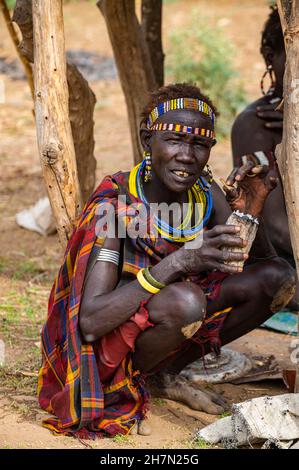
{"points": [[69, 384]]}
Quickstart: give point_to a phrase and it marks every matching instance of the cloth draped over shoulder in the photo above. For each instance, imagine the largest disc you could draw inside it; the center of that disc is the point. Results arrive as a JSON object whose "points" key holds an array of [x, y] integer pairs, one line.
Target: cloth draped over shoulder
{"points": [[70, 386]]}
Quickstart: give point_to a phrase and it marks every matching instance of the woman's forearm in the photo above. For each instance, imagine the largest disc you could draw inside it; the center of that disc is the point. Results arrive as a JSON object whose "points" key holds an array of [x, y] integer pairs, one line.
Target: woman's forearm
{"points": [[102, 313]]}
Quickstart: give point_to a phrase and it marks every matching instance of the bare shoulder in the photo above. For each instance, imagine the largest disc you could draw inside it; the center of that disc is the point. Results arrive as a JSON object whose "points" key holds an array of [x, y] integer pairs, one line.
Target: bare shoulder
{"points": [[248, 117], [249, 133]]}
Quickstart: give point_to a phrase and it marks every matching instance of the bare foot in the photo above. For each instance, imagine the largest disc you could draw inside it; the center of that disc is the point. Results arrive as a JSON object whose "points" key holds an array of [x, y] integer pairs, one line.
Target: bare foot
{"points": [[142, 428], [177, 388]]}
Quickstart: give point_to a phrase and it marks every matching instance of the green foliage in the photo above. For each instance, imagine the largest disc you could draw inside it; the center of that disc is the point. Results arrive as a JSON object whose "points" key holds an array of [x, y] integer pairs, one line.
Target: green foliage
{"points": [[203, 55], [200, 443], [10, 3], [225, 414]]}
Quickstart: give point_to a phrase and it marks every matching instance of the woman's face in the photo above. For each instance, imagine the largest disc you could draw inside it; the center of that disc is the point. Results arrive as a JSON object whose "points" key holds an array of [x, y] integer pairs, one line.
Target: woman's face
{"points": [[178, 159]]}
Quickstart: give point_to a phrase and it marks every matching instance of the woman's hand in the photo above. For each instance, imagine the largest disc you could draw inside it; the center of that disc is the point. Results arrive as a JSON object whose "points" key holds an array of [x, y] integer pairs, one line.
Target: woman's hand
{"points": [[248, 186], [209, 255], [272, 116]]}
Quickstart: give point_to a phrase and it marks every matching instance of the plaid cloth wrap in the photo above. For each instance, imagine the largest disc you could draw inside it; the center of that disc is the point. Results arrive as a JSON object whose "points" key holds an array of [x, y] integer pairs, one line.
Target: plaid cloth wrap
{"points": [[69, 386]]}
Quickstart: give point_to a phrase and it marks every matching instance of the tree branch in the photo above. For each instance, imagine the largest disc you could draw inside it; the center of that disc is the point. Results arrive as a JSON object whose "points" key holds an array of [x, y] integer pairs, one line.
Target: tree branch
{"points": [[12, 32], [152, 28], [132, 59], [81, 103]]}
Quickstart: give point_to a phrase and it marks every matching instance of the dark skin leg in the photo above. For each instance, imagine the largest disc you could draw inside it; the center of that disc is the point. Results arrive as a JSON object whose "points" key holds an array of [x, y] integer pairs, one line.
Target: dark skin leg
{"points": [[251, 293]]}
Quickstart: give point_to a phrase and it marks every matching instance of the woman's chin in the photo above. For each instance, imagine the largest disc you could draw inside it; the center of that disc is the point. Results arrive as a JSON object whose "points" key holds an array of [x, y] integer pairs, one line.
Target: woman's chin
{"points": [[179, 184]]}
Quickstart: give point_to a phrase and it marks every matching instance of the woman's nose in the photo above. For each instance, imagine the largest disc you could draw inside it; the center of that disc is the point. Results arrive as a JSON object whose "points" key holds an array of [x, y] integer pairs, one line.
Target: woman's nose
{"points": [[186, 153]]}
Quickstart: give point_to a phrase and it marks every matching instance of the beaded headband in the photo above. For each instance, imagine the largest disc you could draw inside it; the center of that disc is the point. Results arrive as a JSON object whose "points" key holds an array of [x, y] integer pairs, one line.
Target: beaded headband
{"points": [[180, 103], [181, 128]]}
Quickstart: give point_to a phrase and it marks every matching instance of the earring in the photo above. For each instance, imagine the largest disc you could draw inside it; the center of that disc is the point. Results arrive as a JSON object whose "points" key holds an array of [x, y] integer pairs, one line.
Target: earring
{"points": [[209, 174], [148, 166], [269, 70]]}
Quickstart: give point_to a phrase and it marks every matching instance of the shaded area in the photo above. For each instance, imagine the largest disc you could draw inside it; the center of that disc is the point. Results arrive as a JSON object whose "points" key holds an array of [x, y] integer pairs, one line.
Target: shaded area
{"points": [[92, 65]]}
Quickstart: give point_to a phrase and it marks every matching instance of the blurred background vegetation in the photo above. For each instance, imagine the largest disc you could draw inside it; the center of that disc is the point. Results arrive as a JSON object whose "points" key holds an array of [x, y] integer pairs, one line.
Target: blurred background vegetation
{"points": [[204, 55]]}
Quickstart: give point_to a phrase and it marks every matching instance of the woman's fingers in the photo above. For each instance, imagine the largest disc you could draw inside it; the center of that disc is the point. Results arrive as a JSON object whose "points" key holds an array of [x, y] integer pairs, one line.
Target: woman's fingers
{"points": [[221, 229], [244, 169], [270, 115], [231, 178], [228, 240], [229, 256], [274, 125], [228, 268], [269, 107]]}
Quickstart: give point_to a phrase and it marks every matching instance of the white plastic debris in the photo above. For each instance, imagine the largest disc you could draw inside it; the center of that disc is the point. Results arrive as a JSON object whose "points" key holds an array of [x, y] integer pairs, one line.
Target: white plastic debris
{"points": [[38, 218], [295, 446], [2, 353], [273, 419]]}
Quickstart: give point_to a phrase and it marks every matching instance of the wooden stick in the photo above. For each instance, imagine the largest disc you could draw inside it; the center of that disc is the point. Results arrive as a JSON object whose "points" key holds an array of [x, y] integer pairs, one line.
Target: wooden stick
{"points": [[151, 23], [287, 152], [81, 102], [15, 40], [54, 134], [132, 59]]}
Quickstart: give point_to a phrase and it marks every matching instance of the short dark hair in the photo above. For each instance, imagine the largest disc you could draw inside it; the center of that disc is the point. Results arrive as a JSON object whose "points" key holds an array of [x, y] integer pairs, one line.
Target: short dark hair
{"points": [[172, 91], [272, 35]]}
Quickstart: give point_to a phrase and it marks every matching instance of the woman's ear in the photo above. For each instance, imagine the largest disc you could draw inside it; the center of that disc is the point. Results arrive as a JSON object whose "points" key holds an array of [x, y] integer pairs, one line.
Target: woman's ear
{"points": [[145, 138], [268, 54]]}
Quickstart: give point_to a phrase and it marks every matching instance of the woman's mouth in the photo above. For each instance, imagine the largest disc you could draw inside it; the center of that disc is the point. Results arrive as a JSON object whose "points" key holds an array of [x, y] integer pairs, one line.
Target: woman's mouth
{"points": [[182, 175]]}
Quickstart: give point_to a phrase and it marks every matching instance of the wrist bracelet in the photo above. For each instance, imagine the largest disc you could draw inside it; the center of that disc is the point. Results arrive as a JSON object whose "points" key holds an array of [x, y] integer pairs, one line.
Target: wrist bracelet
{"points": [[110, 256], [149, 277], [145, 284], [247, 217]]}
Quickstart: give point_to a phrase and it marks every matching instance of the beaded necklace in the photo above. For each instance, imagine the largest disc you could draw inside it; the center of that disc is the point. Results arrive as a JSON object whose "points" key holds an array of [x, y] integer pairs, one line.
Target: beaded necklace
{"points": [[203, 199]]}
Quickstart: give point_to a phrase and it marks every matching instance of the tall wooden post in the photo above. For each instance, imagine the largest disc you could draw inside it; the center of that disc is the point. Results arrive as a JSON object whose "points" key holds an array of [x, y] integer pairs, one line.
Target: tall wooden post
{"points": [[55, 142], [288, 151], [132, 59], [81, 102]]}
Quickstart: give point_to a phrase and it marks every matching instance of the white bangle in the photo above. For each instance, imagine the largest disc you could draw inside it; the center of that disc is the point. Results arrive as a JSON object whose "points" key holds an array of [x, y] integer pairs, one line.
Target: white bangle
{"points": [[247, 217], [110, 256]]}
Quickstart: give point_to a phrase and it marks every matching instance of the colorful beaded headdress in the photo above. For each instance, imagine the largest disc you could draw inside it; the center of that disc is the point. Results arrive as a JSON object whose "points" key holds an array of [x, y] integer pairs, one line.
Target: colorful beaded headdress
{"points": [[180, 103], [159, 126]]}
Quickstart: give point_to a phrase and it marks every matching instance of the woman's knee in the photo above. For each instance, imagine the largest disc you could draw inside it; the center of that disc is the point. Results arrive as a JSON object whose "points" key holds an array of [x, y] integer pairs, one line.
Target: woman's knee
{"points": [[183, 305], [279, 282]]}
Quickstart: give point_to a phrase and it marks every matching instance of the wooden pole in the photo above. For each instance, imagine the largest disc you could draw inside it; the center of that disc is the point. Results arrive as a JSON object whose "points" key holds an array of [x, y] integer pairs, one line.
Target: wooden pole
{"points": [[81, 102], [132, 59], [54, 134], [151, 22], [288, 151], [16, 42]]}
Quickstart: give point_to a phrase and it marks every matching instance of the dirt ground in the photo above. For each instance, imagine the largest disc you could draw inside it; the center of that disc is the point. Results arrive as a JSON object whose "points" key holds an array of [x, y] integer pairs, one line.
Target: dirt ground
{"points": [[28, 262]]}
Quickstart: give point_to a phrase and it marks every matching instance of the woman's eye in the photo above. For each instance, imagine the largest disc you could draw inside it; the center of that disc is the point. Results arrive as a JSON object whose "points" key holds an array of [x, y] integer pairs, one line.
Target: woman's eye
{"points": [[200, 145]]}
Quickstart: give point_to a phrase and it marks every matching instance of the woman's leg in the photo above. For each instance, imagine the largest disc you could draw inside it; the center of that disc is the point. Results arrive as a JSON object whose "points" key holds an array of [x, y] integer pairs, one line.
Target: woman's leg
{"points": [[255, 295], [177, 313]]}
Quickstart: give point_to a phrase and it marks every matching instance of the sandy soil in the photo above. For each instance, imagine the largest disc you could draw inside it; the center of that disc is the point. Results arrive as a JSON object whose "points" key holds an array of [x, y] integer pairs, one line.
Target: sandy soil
{"points": [[28, 262]]}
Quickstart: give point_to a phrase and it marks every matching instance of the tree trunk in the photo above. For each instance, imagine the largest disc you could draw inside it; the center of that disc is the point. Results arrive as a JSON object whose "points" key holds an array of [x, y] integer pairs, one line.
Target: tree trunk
{"points": [[15, 40], [54, 134], [288, 151], [132, 60], [81, 103], [152, 29]]}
